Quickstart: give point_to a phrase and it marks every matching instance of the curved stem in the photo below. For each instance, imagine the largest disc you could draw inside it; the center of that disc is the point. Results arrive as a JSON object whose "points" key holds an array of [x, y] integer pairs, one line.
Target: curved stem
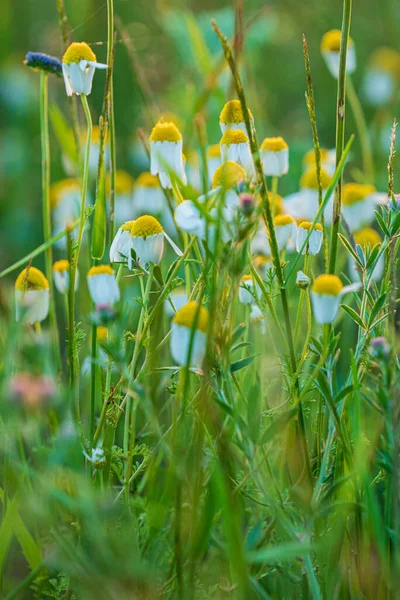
{"points": [[110, 62], [368, 161]]}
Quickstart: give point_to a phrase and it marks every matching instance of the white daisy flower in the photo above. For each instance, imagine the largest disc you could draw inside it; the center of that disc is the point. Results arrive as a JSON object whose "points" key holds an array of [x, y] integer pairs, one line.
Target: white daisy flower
{"points": [[65, 199], [382, 76], [305, 203], [262, 262], [124, 184], [120, 247], [96, 457], [367, 238], [285, 230], [61, 276], [314, 243], [213, 160], [179, 298], [274, 153], [247, 289], [32, 296], [103, 286], [257, 317], [359, 202], [326, 294], [166, 153], [189, 218], [148, 196], [235, 147], [231, 117], [147, 240], [191, 321], [328, 160], [330, 50], [78, 67]]}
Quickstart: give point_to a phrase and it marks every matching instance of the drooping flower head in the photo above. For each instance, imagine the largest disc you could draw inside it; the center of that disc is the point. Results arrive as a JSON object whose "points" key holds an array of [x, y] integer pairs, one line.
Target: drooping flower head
{"points": [[166, 153], [78, 67], [382, 76], [314, 243], [327, 157], [190, 321], [120, 247], [367, 238], [32, 295], [147, 240], [235, 147], [326, 294], [231, 117], [330, 50], [285, 229], [213, 160], [247, 289], [274, 153], [148, 196], [358, 204], [61, 276], [103, 286], [124, 183], [305, 203], [228, 175], [65, 198]]}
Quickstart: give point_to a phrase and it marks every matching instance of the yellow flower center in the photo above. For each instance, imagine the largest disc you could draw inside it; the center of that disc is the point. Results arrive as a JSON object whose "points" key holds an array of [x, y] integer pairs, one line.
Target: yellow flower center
{"points": [[331, 41], [274, 144], [192, 313], [356, 192], [100, 270], [145, 226], [148, 180], [31, 279], [170, 117], [102, 333], [246, 278], [309, 157], [386, 59], [228, 175], [214, 151], [327, 284], [367, 237], [232, 113], [78, 51], [307, 225], [165, 132], [60, 266], [123, 182], [281, 220], [127, 226], [309, 179], [260, 260], [59, 188], [234, 136]]}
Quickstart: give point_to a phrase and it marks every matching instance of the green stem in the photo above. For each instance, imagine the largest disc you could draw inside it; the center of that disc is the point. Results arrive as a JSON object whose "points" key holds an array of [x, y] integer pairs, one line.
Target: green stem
{"points": [[274, 191], [340, 127], [368, 162], [46, 209], [299, 309], [25, 582], [110, 62], [93, 374]]}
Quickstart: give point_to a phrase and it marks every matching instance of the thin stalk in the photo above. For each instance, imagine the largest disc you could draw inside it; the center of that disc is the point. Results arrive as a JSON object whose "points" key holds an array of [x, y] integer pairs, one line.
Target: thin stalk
{"points": [[340, 127], [111, 119], [46, 209], [274, 191], [368, 161], [93, 374], [300, 306]]}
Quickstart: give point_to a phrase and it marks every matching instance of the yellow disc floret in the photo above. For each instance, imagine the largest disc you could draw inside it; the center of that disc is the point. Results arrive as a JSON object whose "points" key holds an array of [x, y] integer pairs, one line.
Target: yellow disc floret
{"points": [[146, 179], [124, 182], [245, 278], [274, 144], [31, 279], [367, 237], [100, 270], [309, 157], [60, 266], [327, 284], [165, 132], [59, 188], [145, 226], [309, 179], [232, 113], [281, 220], [234, 136], [102, 333], [214, 151], [229, 174], [386, 59], [78, 51], [356, 192], [127, 226], [192, 314], [307, 225], [331, 41], [260, 260]]}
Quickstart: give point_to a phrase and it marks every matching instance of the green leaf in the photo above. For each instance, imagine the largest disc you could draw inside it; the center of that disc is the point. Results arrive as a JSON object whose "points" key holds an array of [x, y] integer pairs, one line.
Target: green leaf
{"points": [[241, 364], [382, 224], [355, 316], [376, 308], [277, 553], [63, 133], [201, 53], [350, 249]]}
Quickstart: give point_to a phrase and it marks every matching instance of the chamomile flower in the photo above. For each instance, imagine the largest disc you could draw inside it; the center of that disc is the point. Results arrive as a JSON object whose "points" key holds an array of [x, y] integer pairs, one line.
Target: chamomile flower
{"points": [[147, 240], [120, 247], [213, 160], [148, 196], [262, 262], [257, 317], [367, 238], [326, 294], [78, 67], [103, 286], [231, 117], [124, 183], [314, 243], [247, 289], [330, 50], [65, 199], [192, 169], [274, 153], [32, 296], [61, 276], [179, 298], [189, 331], [189, 219], [235, 147], [285, 229], [382, 76], [328, 160], [228, 175], [166, 153], [305, 203], [359, 202]]}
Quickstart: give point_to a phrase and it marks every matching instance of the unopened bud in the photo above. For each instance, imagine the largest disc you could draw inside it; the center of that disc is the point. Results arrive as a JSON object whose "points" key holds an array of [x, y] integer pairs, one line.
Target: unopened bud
{"points": [[246, 203], [379, 347], [302, 280]]}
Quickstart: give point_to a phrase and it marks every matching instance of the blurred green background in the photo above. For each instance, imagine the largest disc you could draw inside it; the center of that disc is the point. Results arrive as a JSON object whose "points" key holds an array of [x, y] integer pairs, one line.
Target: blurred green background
{"points": [[177, 50]]}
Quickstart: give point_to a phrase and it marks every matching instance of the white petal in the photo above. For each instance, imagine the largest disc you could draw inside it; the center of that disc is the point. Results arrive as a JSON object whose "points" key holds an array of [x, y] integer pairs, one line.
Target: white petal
{"points": [[180, 344]]}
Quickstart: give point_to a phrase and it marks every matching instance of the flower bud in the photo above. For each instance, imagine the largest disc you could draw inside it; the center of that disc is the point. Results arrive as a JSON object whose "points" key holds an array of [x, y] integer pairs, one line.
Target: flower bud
{"points": [[302, 280], [379, 347], [246, 203]]}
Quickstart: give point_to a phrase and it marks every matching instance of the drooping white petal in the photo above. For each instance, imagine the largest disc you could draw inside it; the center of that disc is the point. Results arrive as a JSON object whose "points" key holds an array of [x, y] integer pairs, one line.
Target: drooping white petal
{"points": [[325, 307], [149, 249], [32, 306], [103, 289], [180, 345]]}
